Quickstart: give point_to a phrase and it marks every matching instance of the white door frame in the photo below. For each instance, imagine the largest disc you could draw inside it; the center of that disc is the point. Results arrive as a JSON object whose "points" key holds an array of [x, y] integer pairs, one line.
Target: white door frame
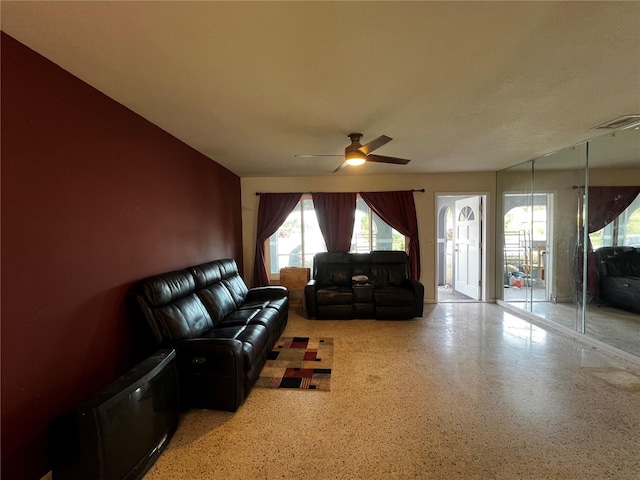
{"points": [[484, 292]]}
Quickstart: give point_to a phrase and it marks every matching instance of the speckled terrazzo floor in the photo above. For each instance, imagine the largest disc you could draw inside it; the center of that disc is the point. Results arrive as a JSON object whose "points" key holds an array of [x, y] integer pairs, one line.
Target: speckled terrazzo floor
{"points": [[468, 392]]}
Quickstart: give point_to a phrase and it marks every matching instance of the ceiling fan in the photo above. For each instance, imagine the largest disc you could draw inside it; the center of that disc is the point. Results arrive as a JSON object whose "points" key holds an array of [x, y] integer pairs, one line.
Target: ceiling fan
{"points": [[357, 154]]}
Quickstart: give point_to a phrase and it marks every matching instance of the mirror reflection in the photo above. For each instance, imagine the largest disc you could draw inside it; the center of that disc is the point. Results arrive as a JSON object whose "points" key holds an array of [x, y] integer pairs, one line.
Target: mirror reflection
{"points": [[544, 260]]}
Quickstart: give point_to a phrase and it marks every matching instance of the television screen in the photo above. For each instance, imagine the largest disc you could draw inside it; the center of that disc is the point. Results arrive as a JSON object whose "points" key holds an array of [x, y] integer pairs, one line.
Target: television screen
{"points": [[119, 433]]}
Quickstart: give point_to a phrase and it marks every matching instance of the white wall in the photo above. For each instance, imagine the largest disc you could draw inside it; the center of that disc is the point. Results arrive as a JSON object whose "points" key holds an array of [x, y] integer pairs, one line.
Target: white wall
{"points": [[450, 183]]}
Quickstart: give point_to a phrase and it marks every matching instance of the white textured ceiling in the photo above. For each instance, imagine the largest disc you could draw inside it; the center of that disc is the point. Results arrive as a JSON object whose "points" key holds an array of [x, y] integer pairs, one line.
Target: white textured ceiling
{"points": [[460, 86]]}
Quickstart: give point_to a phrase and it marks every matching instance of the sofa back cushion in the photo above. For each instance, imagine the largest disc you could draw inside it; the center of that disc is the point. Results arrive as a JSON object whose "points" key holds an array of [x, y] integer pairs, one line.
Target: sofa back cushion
{"points": [[361, 264], [389, 268], [618, 261], [220, 287], [218, 301], [625, 264], [332, 269], [162, 289], [173, 307], [233, 281], [206, 274], [183, 319]]}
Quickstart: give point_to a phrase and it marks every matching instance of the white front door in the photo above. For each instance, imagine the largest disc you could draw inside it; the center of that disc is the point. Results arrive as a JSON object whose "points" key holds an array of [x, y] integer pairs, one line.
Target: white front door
{"points": [[468, 248]]}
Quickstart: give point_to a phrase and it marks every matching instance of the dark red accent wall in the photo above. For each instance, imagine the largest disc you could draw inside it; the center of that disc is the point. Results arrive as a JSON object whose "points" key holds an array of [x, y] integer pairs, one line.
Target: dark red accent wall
{"points": [[94, 197]]}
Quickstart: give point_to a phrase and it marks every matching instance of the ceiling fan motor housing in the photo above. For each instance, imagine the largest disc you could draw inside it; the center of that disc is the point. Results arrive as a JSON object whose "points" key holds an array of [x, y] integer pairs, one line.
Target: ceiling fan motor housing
{"points": [[352, 154], [355, 138]]}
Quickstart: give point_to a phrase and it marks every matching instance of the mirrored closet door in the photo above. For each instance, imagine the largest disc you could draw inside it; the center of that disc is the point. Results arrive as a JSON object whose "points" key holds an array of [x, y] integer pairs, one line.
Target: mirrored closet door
{"points": [[569, 223]]}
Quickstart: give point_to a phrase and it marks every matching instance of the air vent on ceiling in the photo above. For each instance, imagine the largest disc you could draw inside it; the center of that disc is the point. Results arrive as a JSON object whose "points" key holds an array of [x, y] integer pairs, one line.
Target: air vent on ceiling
{"points": [[622, 123]]}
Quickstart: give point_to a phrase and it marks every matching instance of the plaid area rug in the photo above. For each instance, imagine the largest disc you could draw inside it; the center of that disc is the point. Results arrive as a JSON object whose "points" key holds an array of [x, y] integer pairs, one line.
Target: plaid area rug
{"points": [[300, 363]]}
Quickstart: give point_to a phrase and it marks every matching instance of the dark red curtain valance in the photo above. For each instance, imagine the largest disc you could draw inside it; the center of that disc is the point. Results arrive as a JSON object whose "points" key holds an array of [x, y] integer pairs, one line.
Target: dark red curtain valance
{"points": [[336, 214], [272, 212]]}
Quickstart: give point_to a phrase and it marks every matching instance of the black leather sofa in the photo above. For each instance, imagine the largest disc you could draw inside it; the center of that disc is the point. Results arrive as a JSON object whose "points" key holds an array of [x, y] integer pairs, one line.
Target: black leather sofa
{"points": [[363, 285], [619, 276], [221, 330]]}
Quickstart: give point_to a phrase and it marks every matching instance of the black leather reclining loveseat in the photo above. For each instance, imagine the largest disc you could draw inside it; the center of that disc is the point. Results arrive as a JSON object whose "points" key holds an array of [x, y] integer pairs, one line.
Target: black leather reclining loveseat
{"points": [[363, 285], [222, 331], [619, 276]]}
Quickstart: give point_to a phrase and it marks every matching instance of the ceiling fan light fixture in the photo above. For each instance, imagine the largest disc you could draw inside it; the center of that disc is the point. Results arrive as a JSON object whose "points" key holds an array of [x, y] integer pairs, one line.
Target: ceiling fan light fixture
{"points": [[355, 158]]}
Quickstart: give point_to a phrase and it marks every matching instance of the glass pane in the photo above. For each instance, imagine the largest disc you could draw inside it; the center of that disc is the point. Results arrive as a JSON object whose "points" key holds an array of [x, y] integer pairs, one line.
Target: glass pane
{"points": [[370, 232], [541, 235], [286, 244], [612, 311], [381, 234], [622, 231], [516, 187], [399, 240], [632, 233], [361, 239], [299, 238]]}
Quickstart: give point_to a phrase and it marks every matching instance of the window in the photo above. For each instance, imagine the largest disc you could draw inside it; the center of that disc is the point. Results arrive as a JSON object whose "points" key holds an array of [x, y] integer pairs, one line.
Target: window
{"points": [[521, 219], [624, 230], [299, 238], [466, 215], [370, 232]]}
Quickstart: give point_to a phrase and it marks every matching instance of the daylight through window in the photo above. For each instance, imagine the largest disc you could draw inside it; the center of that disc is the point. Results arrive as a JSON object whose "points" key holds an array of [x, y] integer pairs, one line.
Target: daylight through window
{"points": [[623, 231], [299, 238]]}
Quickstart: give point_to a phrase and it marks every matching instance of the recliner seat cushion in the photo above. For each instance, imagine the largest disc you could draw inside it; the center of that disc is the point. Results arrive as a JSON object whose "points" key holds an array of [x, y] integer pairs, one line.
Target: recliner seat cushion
{"points": [[238, 317], [268, 317], [279, 304], [393, 296], [258, 305], [334, 296]]}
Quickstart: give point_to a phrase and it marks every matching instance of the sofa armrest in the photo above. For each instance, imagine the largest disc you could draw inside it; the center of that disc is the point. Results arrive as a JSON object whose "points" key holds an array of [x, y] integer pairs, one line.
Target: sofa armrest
{"points": [[266, 293], [210, 356], [211, 373], [418, 292], [310, 298]]}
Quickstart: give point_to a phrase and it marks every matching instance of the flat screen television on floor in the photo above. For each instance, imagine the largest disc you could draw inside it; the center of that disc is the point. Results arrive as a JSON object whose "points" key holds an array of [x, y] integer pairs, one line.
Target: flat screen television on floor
{"points": [[119, 433]]}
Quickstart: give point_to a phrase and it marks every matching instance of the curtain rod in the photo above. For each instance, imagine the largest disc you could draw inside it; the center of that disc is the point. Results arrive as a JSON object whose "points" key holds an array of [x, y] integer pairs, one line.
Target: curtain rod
{"points": [[306, 193]]}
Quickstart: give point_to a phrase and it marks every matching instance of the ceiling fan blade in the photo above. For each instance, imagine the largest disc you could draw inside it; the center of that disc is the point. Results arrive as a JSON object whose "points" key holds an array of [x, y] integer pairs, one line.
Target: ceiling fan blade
{"points": [[342, 165], [313, 156], [383, 159], [375, 143]]}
